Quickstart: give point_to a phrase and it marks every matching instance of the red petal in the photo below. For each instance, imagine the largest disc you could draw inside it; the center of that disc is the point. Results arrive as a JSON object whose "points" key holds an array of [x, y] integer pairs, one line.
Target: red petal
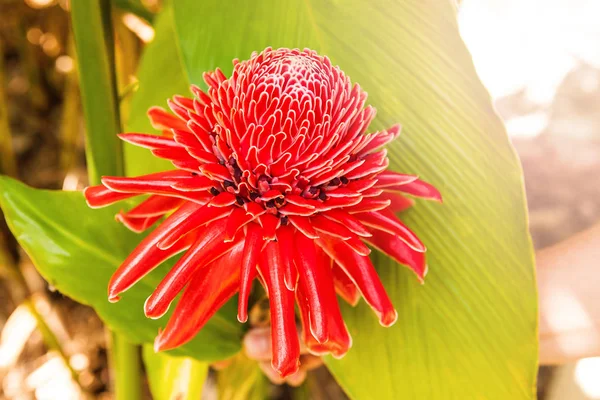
{"points": [[154, 205], [209, 289], [292, 209], [344, 286], [390, 178], [420, 189], [399, 251], [199, 218], [223, 199], [216, 172], [236, 220], [286, 349], [398, 202], [367, 205], [285, 237], [252, 247], [208, 247], [269, 223], [361, 271], [380, 139], [330, 227], [160, 183], [304, 225], [146, 256], [339, 339], [387, 222], [315, 276], [350, 222], [254, 209], [137, 224], [101, 196], [149, 141], [161, 119]]}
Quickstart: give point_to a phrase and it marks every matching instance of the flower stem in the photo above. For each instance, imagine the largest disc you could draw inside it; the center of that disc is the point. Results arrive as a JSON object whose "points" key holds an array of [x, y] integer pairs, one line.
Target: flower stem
{"points": [[125, 362], [94, 44]]}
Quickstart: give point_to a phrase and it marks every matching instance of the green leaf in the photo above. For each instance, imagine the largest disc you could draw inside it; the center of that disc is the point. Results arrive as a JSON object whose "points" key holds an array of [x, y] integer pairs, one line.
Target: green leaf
{"points": [[160, 76], [171, 377], [242, 380], [136, 7], [77, 249], [92, 31], [470, 331]]}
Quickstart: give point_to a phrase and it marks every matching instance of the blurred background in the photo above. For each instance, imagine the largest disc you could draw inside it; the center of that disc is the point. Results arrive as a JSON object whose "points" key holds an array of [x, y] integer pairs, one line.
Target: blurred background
{"points": [[540, 61]]}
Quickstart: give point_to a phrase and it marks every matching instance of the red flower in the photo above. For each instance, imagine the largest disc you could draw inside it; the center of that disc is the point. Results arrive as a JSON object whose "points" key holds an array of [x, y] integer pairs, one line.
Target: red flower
{"points": [[275, 178]]}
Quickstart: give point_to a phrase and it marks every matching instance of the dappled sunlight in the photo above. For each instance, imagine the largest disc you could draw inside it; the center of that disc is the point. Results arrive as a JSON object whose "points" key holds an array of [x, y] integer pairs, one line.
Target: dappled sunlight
{"points": [[16, 332], [530, 46], [587, 376]]}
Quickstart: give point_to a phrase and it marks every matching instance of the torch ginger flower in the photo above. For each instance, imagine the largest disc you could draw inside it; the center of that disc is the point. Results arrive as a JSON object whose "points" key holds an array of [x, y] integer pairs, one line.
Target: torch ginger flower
{"points": [[275, 178]]}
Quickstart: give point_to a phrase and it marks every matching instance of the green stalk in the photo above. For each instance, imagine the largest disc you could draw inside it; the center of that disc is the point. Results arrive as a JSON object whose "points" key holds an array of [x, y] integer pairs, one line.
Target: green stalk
{"points": [[125, 361], [93, 34], [8, 165]]}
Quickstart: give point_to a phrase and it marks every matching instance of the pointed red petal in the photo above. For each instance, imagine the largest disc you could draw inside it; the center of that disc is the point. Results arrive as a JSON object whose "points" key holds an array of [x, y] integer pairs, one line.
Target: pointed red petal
{"points": [[285, 237], [137, 224], [350, 222], [286, 348], [390, 178], [361, 271], [209, 246], [304, 225], [398, 202], [367, 205], [154, 205], [399, 251], [236, 220], [252, 247], [101, 196], [149, 141], [330, 227], [344, 286], [339, 339], [209, 289], [160, 183], [269, 223], [316, 278], [419, 188], [204, 215], [146, 256], [387, 222], [161, 119]]}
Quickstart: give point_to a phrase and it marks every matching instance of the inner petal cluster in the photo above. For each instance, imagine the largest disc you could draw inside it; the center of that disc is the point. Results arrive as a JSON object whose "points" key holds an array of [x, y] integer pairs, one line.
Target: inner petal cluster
{"points": [[276, 179]]}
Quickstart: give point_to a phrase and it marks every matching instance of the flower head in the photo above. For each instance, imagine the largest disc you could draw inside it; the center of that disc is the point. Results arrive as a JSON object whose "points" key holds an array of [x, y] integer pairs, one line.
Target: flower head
{"points": [[275, 179]]}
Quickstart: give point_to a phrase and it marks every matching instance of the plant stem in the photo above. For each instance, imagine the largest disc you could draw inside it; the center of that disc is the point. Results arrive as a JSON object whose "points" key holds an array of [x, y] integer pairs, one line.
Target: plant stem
{"points": [[50, 338], [8, 165], [11, 271], [93, 34], [126, 367], [69, 120]]}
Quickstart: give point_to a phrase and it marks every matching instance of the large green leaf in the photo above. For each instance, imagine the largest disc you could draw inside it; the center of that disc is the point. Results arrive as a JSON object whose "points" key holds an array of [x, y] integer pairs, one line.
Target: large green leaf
{"points": [[470, 331], [169, 377], [76, 249]]}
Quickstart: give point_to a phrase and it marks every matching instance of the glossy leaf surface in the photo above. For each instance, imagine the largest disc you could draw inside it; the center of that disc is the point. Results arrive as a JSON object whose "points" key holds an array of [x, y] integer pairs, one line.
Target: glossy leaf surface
{"points": [[76, 249], [470, 331]]}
